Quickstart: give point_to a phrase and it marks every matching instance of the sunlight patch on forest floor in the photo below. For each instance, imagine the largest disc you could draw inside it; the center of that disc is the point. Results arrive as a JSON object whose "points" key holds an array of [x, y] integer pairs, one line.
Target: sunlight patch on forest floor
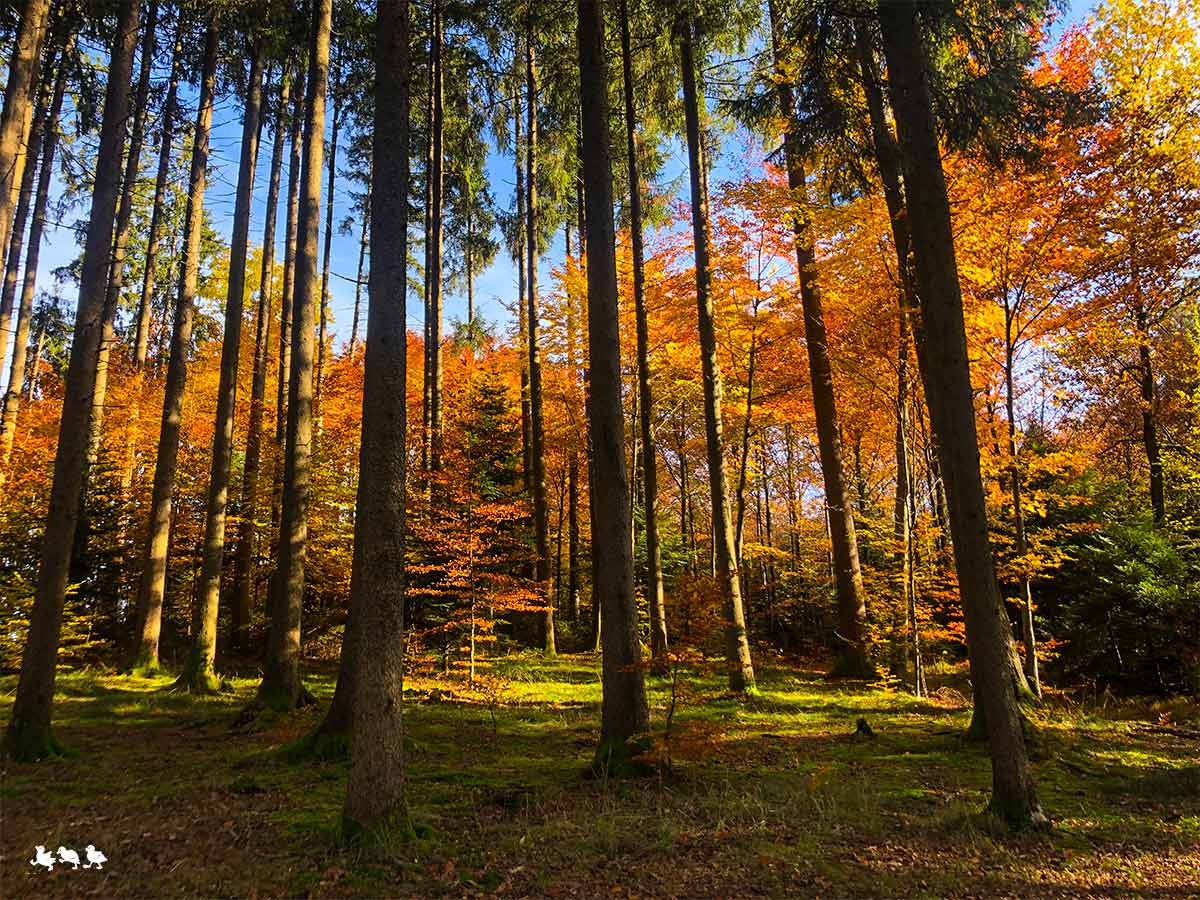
{"points": [[772, 795]]}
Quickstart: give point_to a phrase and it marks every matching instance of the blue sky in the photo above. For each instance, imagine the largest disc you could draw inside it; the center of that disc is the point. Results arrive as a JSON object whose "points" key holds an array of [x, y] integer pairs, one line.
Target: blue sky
{"points": [[495, 286]]}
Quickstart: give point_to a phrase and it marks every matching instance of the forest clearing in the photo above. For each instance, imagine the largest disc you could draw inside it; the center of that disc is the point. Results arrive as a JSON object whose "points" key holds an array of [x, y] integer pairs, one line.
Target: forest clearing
{"points": [[650, 448], [773, 795]]}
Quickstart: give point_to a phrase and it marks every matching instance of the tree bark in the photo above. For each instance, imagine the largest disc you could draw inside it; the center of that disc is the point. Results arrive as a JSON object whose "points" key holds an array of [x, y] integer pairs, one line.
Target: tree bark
{"points": [[19, 92], [537, 429], [854, 653], [358, 284], [324, 297], [436, 202], [375, 798], [29, 736], [741, 670], [952, 411], [624, 712], [653, 574], [281, 687], [16, 380], [154, 566]]}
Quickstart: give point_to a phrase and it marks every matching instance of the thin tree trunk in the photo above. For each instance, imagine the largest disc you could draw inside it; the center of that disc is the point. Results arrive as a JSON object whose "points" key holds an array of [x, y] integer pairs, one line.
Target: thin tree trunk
{"points": [[16, 379], [247, 548], [537, 429], [328, 236], [358, 284], [653, 575], [20, 90], [952, 412], [287, 294], [1158, 492], [281, 687], [624, 711], [436, 201], [741, 670], [154, 565], [375, 799], [854, 653], [29, 736], [572, 457]]}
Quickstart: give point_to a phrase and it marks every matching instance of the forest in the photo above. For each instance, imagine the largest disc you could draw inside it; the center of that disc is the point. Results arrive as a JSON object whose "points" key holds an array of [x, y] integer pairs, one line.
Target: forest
{"points": [[645, 448]]}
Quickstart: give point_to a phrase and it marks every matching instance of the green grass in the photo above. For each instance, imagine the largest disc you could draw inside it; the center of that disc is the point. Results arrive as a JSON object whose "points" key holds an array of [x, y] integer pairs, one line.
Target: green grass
{"points": [[771, 795]]}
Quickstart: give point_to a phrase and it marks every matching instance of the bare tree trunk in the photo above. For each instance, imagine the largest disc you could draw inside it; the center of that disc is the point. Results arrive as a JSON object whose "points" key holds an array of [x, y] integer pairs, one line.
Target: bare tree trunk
{"points": [[358, 284], [247, 548], [537, 429], [624, 713], [20, 91], [154, 565], [29, 736], [741, 670], [653, 575], [854, 653], [952, 412], [16, 379], [322, 335], [281, 687], [375, 798], [436, 202]]}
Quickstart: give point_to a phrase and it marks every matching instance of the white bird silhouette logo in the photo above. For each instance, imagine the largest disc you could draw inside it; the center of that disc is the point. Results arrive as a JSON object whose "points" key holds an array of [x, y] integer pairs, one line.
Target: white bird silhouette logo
{"points": [[42, 858], [95, 857], [66, 855]]}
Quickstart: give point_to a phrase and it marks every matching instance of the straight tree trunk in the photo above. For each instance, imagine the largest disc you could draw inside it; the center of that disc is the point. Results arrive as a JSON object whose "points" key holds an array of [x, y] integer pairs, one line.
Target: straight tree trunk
{"points": [[537, 429], [741, 670], [952, 412], [853, 656], [247, 548], [572, 460], [522, 315], [20, 91], [287, 294], [29, 736], [281, 687], [436, 202], [654, 576], [323, 326], [16, 378], [375, 798], [358, 284], [154, 565], [624, 711]]}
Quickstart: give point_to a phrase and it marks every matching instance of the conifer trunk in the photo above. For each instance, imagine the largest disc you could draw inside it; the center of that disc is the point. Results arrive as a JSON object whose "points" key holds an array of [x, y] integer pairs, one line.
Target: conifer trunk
{"points": [[29, 736], [436, 203], [624, 712], [741, 670], [154, 566], [375, 797], [952, 412], [16, 240], [281, 687], [323, 327]]}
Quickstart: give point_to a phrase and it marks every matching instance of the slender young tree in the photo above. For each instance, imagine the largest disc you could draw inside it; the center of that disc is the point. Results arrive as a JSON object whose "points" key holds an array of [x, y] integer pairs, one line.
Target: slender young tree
{"points": [[624, 712], [853, 656], [281, 687], [20, 92], [435, 237], [375, 800], [952, 410], [537, 428], [198, 674], [243, 573], [324, 297], [741, 670], [29, 736], [154, 559], [653, 575]]}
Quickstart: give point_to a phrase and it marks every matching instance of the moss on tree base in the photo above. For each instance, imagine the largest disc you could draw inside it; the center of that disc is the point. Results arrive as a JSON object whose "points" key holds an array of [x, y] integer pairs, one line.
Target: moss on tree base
{"points": [[321, 745], [389, 830], [28, 743], [852, 665], [623, 758]]}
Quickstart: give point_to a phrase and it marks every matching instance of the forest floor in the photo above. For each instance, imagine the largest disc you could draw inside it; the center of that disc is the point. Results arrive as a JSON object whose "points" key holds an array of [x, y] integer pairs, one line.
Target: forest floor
{"points": [[769, 796]]}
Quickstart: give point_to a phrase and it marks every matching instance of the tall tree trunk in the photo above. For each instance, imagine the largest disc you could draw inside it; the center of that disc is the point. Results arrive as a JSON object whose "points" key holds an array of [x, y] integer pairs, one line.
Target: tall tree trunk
{"points": [[322, 334], [522, 317], [427, 232], [654, 577], [741, 670], [29, 736], [375, 800], [624, 711], [281, 687], [853, 654], [358, 283], [573, 454], [287, 294], [247, 548], [20, 91], [537, 429], [1158, 492], [16, 378], [952, 412], [154, 565], [167, 128], [436, 202]]}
